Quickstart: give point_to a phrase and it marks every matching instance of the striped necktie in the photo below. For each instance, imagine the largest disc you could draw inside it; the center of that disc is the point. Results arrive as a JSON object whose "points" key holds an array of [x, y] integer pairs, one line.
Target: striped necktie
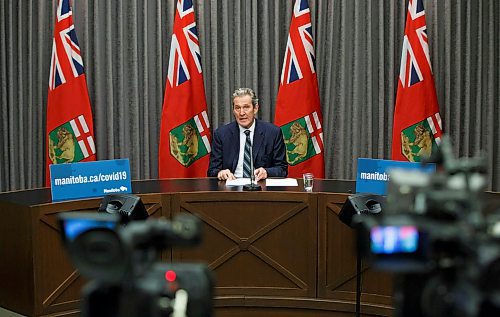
{"points": [[246, 155]]}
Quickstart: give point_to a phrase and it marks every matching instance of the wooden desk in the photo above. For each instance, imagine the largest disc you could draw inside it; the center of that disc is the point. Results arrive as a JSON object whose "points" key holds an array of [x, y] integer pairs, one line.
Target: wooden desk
{"points": [[274, 253]]}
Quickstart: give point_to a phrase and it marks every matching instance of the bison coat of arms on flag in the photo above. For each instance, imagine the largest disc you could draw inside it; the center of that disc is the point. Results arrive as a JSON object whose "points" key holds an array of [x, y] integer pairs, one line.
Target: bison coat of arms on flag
{"points": [[187, 144], [69, 143], [418, 142], [300, 142]]}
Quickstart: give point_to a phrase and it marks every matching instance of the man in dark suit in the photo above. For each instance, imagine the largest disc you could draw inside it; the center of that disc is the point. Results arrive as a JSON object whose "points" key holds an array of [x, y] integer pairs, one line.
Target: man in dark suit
{"points": [[228, 143]]}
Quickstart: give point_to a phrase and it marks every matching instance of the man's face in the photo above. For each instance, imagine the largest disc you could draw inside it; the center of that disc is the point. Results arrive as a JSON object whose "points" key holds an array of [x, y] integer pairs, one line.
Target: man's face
{"points": [[243, 110]]}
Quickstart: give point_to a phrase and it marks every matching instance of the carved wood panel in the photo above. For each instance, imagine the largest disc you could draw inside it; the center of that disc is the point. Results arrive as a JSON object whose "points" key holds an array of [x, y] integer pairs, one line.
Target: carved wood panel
{"points": [[58, 283], [337, 263], [256, 243]]}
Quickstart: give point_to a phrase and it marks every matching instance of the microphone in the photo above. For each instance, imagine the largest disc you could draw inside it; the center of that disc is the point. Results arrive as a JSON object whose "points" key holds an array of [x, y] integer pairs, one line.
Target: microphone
{"points": [[252, 186]]}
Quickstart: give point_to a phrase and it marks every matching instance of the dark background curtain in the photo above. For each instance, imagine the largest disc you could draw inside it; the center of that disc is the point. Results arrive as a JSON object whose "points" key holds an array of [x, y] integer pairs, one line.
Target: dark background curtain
{"points": [[125, 46]]}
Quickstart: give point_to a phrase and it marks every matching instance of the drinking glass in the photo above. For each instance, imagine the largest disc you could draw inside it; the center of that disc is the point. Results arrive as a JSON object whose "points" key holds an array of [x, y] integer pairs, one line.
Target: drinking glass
{"points": [[308, 181]]}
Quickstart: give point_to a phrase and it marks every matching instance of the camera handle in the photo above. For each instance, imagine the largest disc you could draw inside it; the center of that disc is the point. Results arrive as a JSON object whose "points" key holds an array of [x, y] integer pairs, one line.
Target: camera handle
{"points": [[180, 303]]}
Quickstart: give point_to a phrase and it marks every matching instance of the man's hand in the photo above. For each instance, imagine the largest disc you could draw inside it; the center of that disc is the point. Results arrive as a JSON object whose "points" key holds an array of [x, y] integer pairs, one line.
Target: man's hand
{"points": [[225, 175], [260, 173]]}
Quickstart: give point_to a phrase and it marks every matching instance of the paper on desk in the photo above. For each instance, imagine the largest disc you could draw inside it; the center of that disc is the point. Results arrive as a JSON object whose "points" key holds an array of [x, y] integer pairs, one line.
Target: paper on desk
{"points": [[238, 182], [281, 182]]}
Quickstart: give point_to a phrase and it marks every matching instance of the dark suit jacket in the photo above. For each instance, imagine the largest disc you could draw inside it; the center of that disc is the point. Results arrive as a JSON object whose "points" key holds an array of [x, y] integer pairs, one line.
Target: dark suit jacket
{"points": [[268, 149]]}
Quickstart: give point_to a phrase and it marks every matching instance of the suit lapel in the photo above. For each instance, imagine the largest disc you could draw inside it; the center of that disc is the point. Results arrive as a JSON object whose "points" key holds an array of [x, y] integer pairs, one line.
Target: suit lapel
{"points": [[235, 145], [258, 138]]}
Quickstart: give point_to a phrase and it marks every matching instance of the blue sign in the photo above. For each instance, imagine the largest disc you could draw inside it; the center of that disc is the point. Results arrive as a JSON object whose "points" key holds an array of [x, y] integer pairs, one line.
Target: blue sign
{"points": [[373, 175], [90, 179]]}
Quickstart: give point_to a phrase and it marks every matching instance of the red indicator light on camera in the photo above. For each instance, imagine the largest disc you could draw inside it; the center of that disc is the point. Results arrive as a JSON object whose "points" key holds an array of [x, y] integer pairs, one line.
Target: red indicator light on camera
{"points": [[170, 276]]}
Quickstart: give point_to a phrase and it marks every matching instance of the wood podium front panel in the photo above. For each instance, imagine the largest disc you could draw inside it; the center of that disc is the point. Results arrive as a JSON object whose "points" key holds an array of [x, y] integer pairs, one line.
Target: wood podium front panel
{"points": [[44, 281], [16, 264], [259, 243], [273, 253], [337, 263], [58, 283]]}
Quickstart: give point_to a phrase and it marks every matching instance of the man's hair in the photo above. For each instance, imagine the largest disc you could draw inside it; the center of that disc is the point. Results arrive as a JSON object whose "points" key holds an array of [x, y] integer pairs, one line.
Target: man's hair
{"points": [[240, 92]]}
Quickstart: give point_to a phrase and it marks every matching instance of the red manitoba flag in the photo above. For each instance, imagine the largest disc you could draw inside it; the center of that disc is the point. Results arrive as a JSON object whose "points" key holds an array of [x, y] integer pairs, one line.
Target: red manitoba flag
{"points": [[70, 130], [298, 109], [185, 128], [417, 123]]}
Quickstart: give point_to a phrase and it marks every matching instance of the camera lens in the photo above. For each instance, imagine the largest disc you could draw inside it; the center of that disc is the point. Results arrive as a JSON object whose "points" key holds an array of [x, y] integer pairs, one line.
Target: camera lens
{"points": [[99, 254]]}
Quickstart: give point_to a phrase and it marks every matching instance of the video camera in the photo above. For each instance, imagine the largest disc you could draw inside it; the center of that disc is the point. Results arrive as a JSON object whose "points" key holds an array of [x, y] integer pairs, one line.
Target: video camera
{"points": [[435, 237], [121, 262]]}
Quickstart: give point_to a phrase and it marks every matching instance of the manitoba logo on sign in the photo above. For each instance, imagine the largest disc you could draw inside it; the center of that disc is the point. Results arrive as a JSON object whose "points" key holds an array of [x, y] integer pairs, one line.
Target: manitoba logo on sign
{"points": [[189, 141], [71, 142], [418, 141], [303, 138]]}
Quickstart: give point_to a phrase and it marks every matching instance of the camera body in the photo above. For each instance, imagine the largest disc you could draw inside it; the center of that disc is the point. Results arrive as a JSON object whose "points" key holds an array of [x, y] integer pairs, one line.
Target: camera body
{"points": [[434, 236], [162, 290], [121, 262]]}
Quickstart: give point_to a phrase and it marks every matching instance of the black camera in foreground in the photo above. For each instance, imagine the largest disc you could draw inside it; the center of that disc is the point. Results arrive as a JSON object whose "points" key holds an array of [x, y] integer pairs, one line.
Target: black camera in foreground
{"points": [[435, 237], [121, 262]]}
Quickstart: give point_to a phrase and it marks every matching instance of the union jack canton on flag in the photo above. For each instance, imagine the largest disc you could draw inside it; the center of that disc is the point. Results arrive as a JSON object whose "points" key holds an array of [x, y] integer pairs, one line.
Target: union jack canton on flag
{"points": [[65, 36], [291, 67]]}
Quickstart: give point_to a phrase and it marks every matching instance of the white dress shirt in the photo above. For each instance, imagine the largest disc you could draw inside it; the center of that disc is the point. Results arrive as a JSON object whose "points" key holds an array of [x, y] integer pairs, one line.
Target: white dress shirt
{"points": [[239, 168]]}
